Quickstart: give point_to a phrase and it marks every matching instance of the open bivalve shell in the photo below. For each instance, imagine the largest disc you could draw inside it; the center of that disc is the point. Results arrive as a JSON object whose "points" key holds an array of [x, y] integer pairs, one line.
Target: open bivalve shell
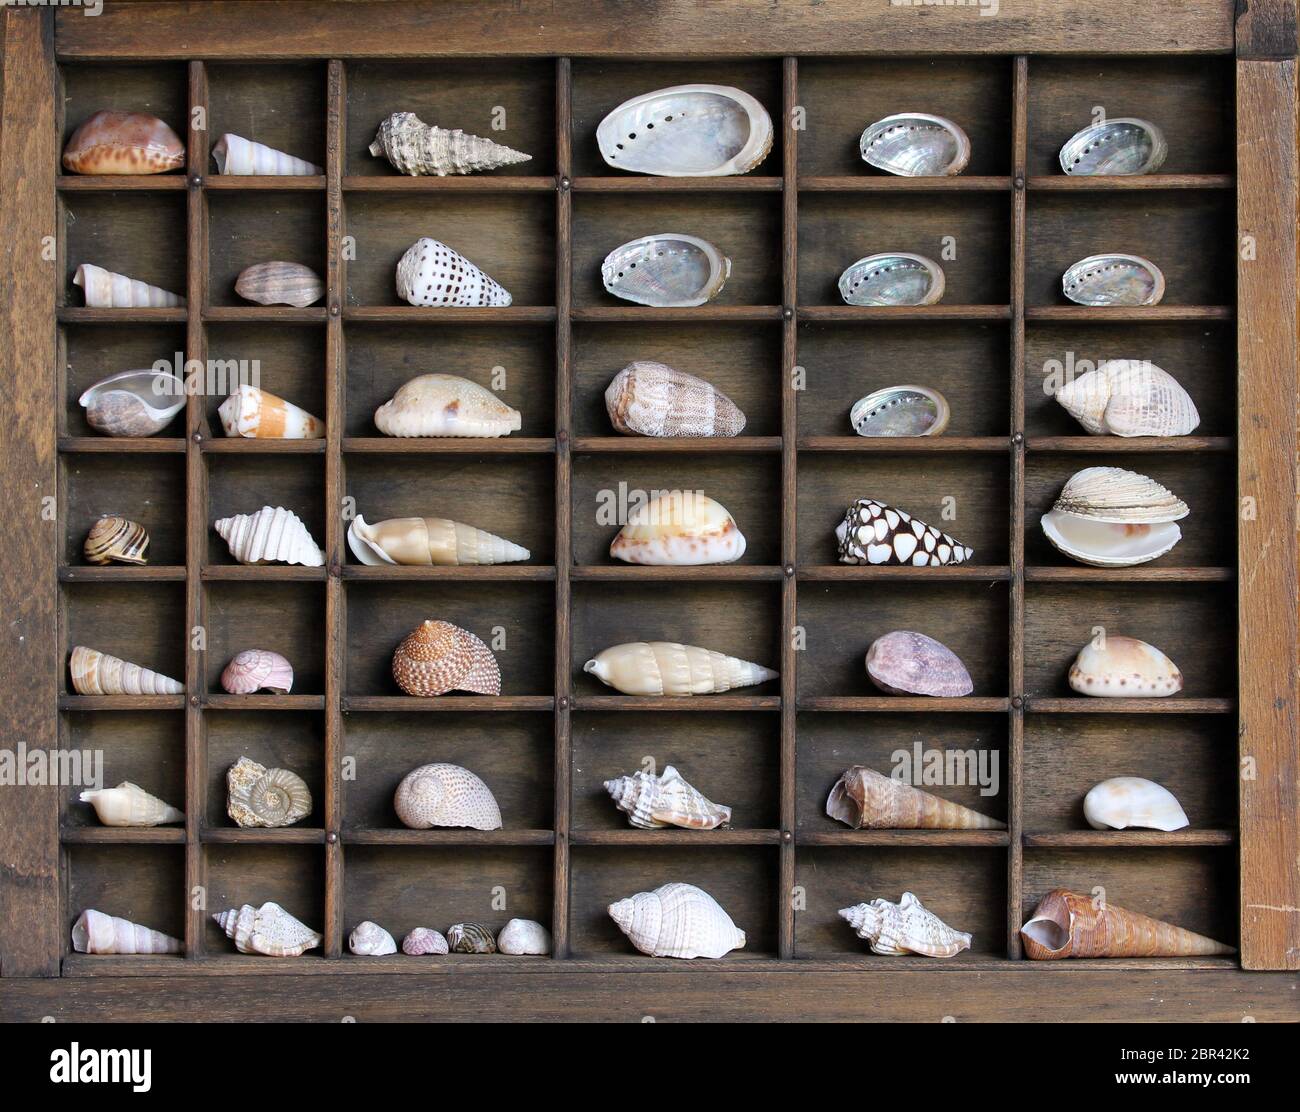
{"points": [[892, 278], [666, 270], [668, 668], [267, 930], [1109, 517], [1114, 280], [677, 921], [105, 289], [445, 795], [874, 533], [679, 528], [915, 145], [905, 927], [437, 657], [1124, 801], [901, 411], [134, 403], [428, 541], [445, 405], [1129, 397], [1122, 147], [1114, 666]]}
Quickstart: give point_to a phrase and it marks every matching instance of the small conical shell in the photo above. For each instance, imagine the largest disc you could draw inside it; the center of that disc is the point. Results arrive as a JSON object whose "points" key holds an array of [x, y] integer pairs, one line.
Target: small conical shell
{"points": [[445, 795], [438, 657], [234, 154], [268, 930], [371, 940], [97, 933], [668, 668], [96, 673], [874, 533], [116, 539], [1114, 666], [470, 938], [1125, 801], [651, 802], [679, 528], [429, 540], [255, 670], [1129, 397], [106, 289], [431, 273], [905, 927], [272, 535], [653, 399], [1068, 925], [257, 796], [129, 804], [424, 940], [415, 148], [258, 414], [677, 921], [864, 799], [907, 663], [524, 936], [280, 283], [445, 405]]}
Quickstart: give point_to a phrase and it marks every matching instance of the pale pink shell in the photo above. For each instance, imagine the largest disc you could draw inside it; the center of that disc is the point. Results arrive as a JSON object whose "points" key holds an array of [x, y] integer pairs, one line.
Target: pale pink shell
{"points": [[908, 663], [258, 670], [422, 940]]}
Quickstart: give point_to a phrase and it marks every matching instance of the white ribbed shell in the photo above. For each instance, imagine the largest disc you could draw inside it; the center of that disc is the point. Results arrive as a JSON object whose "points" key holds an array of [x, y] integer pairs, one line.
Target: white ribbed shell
{"points": [[1109, 517], [234, 154], [1129, 397], [445, 405], [272, 535], [669, 668], [677, 921], [268, 930], [904, 928], [445, 795], [97, 933], [96, 673], [106, 289], [431, 273], [651, 802]]}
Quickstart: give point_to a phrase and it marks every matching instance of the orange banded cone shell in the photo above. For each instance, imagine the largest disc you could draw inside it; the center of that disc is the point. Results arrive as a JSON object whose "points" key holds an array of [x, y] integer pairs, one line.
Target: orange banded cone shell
{"points": [[438, 657], [1068, 925]]}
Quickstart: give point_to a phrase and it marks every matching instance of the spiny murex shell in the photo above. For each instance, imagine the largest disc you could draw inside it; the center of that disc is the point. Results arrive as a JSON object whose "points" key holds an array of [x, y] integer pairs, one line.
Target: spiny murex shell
{"points": [[1068, 925], [255, 670], [1129, 397], [129, 804], [915, 144], [1123, 146], [445, 795], [428, 540], [437, 657], [234, 154], [908, 663], [115, 142], [371, 940], [470, 938], [668, 668], [864, 799], [1110, 517], [261, 796], [445, 405], [677, 921], [258, 414], [653, 399], [524, 936], [1124, 801], [431, 273], [280, 283], [424, 940], [901, 411], [667, 270], [892, 278], [97, 933], [874, 533], [651, 802], [96, 673], [268, 930], [1117, 666], [134, 403], [679, 528], [116, 539], [687, 131], [106, 289], [905, 927], [272, 535], [416, 148], [1114, 280]]}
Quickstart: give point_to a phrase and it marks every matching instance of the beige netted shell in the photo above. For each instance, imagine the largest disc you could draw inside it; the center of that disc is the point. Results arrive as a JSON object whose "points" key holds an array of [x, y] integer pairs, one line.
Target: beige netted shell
{"points": [[653, 399], [438, 657], [445, 795]]}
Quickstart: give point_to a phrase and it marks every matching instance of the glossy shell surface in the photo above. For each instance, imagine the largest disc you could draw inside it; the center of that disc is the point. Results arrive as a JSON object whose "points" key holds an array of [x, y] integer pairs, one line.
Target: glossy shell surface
{"points": [[901, 411], [915, 145], [666, 270], [1127, 280], [892, 278], [1120, 147]]}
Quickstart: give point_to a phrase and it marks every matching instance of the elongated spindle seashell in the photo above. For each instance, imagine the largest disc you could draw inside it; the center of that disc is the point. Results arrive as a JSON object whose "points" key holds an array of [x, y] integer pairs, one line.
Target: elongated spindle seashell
{"points": [[106, 289], [255, 670], [97, 933], [1125, 801], [445, 405], [268, 930], [431, 273], [652, 399], [116, 142], [1129, 397], [429, 540], [437, 657], [677, 921], [96, 673], [1114, 666], [134, 403], [1109, 517], [116, 540], [371, 940], [1068, 925], [666, 270], [445, 795], [905, 927], [129, 804], [259, 415], [272, 535], [280, 283], [234, 154], [874, 533], [865, 800], [679, 528], [651, 802], [424, 940], [257, 796], [524, 936], [908, 663], [470, 938], [415, 148], [668, 668], [915, 145]]}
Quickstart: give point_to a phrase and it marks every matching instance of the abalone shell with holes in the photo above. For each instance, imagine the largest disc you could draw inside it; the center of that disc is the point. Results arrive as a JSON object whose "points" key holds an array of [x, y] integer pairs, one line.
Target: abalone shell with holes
{"points": [[900, 411], [1114, 280], [915, 145], [666, 270], [1121, 147], [892, 278]]}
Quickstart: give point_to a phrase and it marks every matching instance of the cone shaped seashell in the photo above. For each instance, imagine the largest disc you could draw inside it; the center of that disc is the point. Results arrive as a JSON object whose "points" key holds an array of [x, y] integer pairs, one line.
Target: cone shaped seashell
{"points": [[371, 940], [652, 399], [865, 800], [905, 927], [524, 936], [874, 533], [1129, 397], [687, 131], [234, 154], [470, 938], [677, 921], [134, 403], [445, 795], [258, 414], [268, 930], [107, 290], [257, 796], [667, 668], [424, 940], [97, 933], [1127, 280], [1123, 667], [901, 411], [915, 145], [96, 673], [907, 663], [429, 540], [892, 278], [417, 148], [437, 657], [1123, 146], [1068, 925], [255, 670], [666, 270], [1110, 517], [445, 405], [115, 142], [651, 802], [431, 273], [280, 283], [129, 804], [1125, 801], [270, 536], [679, 528], [116, 540]]}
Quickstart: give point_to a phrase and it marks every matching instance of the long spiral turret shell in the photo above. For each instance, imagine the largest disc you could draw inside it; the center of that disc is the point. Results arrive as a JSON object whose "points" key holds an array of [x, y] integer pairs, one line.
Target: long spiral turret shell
{"points": [[234, 154], [1068, 925], [416, 148], [97, 933], [272, 535], [106, 289], [668, 668], [864, 799], [96, 673], [677, 921]]}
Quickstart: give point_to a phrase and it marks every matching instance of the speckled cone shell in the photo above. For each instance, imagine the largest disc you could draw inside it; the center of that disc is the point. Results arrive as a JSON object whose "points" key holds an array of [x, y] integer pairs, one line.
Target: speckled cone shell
{"points": [[371, 940], [905, 927], [258, 414], [1131, 801], [129, 804], [653, 399], [268, 930], [667, 668], [679, 528], [908, 663], [445, 405], [423, 940], [97, 933], [114, 142], [429, 540], [416, 148], [96, 673], [234, 154], [1068, 925], [431, 273], [677, 921], [438, 657], [470, 938], [272, 535], [524, 936], [267, 797], [1124, 667], [1129, 397], [651, 802], [865, 800], [445, 795], [116, 540], [280, 283], [257, 670], [874, 533], [106, 289]]}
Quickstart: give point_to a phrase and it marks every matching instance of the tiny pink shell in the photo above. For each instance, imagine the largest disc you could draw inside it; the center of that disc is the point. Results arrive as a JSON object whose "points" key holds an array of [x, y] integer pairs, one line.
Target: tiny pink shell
{"points": [[422, 940], [258, 670]]}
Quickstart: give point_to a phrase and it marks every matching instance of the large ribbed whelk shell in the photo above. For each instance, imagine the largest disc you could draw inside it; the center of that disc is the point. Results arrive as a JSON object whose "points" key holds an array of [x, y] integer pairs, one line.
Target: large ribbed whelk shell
{"points": [[666, 270], [668, 668], [874, 533], [651, 802], [97, 933], [1123, 667], [892, 278], [437, 657], [865, 800], [129, 804], [280, 283], [1122, 146], [431, 273], [677, 921], [653, 399], [679, 528], [905, 927], [234, 154], [908, 663], [268, 930], [1125, 801], [272, 535], [106, 289], [1114, 280], [258, 414], [96, 673], [115, 539], [261, 796], [1129, 397], [915, 144], [371, 940], [1068, 925], [255, 670], [1110, 517], [445, 405], [416, 148], [428, 540], [445, 795]]}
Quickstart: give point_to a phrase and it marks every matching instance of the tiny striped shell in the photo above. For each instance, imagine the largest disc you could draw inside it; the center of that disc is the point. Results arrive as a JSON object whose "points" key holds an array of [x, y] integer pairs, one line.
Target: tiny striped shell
{"points": [[116, 142], [438, 657], [907, 663], [415, 148], [874, 533], [115, 539], [107, 290], [272, 535], [234, 154], [652, 399], [257, 670], [423, 940], [97, 933], [445, 405], [268, 930], [433, 274], [445, 795], [96, 673], [651, 802], [904, 928], [470, 938], [258, 796], [280, 283]]}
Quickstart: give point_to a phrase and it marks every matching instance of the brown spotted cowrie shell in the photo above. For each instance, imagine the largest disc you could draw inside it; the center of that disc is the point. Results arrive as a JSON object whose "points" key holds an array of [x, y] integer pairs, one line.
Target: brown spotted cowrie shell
{"points": [[115, 142]]}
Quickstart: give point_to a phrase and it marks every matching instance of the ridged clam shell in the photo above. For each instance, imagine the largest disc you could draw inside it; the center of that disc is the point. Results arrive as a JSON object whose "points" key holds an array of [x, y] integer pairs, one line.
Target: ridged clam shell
{"points": [[524, 936], [915, 144], [96, 673], [1110, 517], [668, 269], [371, 940], [257, 670], [445, 405], [129, 804], [892, 278], [424, 940], [272, 535], [677, 921], [905, 927], [865, 800], [134, 403], [1123, 146], [651, 802], [470, 938], [115, 142], [908, 663], [280, 283], [445, 795], [1125, 801], [668, 668], [106, 289], [1129, 397], [268, 930], [427, 541], [652, 399], [431, 273], [1114, 280], [679, 528], [257, 796], [1068, 925], [901, 411], [687, 131], [116, 540], [416, 148], [437, 657], [875, 533], [234, 154], [97, 933], [258, 414], [1123, 667]]}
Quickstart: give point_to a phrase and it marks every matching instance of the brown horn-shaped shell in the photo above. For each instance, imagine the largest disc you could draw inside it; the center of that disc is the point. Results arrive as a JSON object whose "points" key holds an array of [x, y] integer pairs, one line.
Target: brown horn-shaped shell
{"points": [[863, 798], [1068, 925]]}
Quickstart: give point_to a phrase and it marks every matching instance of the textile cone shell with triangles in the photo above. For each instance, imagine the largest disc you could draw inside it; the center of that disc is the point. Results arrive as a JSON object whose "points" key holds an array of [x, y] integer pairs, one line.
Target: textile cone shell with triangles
{"points": [[864, 799], [438, 657], [1068, 925]]}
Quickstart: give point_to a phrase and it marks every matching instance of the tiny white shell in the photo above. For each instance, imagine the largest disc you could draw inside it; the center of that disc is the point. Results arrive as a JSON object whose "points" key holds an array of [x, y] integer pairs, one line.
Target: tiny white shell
{"points": [[371, 940], [1124, 801], [524, 936]]}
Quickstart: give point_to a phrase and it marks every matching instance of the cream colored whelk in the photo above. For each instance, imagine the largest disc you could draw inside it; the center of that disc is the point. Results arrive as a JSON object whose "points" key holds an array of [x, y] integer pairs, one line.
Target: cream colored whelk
{"points": [[1129, 397], [1114, 666], [1124, 801], [679, 527], [1109, 517], [677, 921], [653, 801], [905, 927], [267, 930], [129, 804], [429, 541]]}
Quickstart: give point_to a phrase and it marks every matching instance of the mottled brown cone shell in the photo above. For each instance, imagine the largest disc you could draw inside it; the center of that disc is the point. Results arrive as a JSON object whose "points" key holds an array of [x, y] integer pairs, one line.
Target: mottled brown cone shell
{"points": [[864, 798], [439, 657]]}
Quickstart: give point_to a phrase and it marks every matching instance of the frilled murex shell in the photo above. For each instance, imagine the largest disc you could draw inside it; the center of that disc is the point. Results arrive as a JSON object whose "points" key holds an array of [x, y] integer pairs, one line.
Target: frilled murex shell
{"points": [[905, 927], [653, 801]]}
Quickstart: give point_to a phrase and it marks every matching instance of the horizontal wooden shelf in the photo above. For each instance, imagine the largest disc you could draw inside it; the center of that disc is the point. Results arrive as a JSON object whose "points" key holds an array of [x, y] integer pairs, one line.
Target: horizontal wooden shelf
{"points": [[703, 573], [889, 704], [719, 314], [120, 183], [261, 445], [123, 573], [703, 838], [401, 836], [225, 701], [866, 183], [266, 314], [487, 573], [254, 573], [455, 704], [449, 445], [1116, 444], [732, 183], [702, 703], [264, 183], [914, 838], [79, 314], [832, 573], [262, 836], [885, 445], [121, 702], [1119, 314], [864, 313], [420, 314], [647, 445], [1128, 839], [123, 835], [124, 444], [1130, 183], [474, 183], [1172, 705], [1144, 573]]}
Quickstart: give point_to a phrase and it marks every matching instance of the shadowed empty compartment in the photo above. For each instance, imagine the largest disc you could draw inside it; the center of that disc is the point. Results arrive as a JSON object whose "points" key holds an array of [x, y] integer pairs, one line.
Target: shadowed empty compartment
{"points": [[281, 106], [292, 876], [246, 229], [139, 234], [144, 747]]}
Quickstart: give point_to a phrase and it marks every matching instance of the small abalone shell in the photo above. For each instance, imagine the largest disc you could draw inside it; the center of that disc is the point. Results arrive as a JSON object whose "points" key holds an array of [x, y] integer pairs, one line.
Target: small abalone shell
{"points": [[900, 411]]}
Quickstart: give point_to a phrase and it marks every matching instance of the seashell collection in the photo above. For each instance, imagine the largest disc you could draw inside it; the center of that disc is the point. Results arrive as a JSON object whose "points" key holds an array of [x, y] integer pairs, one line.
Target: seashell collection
{"points": [[905, 927], [261, 796]]}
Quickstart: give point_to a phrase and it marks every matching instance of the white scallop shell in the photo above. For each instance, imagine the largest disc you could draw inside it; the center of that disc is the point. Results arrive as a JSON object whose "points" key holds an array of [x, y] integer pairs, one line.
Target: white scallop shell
{"points": [[97, 933], [272, 535], [371, 940], [106, 289], [129, 804], [1124, 801], [892, 278], [679, 528], [652, 802], [234, 154], [428, 541], [431, 273], [96, 673], [905, 927], [1129, 397], [666, 270], [268, 930], [446, 405], [1115, 666], [915, 144], [524, 936], [668, 668], [445, 795], [677, 921]]}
